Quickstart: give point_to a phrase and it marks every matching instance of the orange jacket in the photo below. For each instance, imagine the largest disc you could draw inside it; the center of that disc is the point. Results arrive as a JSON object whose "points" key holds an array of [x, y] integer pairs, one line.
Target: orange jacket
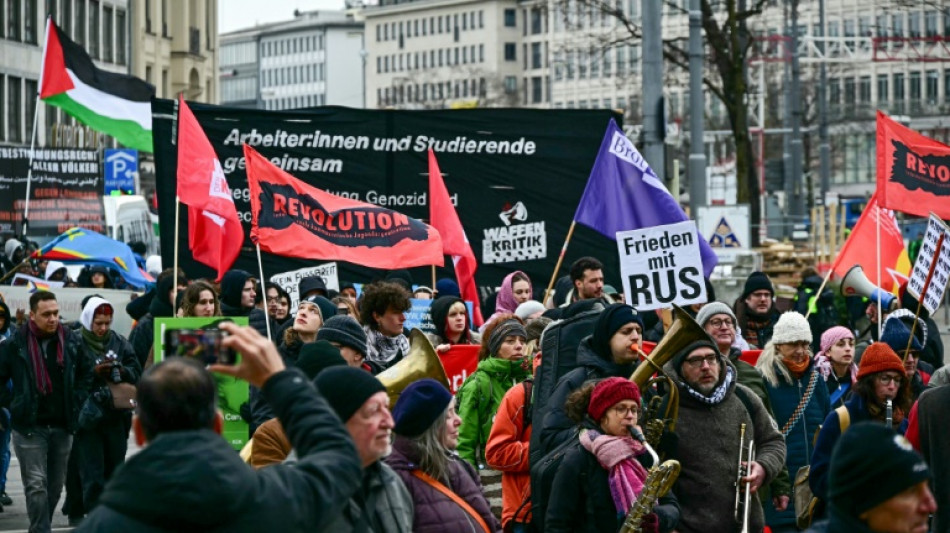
{"points": [[507, 451]]}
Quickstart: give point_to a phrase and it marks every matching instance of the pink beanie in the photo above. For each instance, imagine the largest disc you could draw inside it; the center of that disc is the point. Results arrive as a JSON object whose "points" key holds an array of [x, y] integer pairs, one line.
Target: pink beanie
{"points": [[831, 337]]}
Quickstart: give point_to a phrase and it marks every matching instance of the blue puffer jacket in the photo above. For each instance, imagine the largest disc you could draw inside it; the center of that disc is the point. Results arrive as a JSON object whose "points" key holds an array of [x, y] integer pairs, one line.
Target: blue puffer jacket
{"points": [[786, 397]]}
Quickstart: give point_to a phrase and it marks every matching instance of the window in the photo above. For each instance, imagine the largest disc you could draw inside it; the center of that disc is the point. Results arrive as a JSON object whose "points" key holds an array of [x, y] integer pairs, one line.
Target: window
{"points": [[930, 23], [107, 34], [29, 22], [913, 23], [511, 84], [898, 87], [511, 52], [481, 53], [511, 18], [915, 91], [536, 22], [14, 105], [864, 89], [464, 21], [882, 92], [933, 80], [119, 36], [67, 20], [537, 90], [834, 91], [481, 19], [535, 55], [13, 25]]}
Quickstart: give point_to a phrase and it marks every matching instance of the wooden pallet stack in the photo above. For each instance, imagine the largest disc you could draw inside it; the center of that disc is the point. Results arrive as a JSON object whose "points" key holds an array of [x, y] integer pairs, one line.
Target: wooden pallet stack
{"points": [[784, 262]]}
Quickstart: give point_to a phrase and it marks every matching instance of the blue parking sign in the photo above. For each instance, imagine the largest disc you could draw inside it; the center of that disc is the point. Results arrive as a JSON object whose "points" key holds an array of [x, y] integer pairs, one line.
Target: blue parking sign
{"points": [[120, 167]]}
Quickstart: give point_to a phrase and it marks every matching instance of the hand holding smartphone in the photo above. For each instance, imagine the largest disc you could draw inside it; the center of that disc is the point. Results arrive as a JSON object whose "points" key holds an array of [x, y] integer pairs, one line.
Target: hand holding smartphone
{"points": [[204, 345]]}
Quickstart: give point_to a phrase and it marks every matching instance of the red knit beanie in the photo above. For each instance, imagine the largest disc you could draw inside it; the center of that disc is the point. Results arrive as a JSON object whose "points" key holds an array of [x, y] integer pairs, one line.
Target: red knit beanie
{"points": [[610, 391], [879, 357]]}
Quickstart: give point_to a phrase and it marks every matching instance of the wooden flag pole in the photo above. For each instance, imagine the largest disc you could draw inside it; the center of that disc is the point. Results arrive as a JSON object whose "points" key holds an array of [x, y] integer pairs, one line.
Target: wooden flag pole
{"points": [[821, 288], [923, 292], [560, 259], [260, 268]]}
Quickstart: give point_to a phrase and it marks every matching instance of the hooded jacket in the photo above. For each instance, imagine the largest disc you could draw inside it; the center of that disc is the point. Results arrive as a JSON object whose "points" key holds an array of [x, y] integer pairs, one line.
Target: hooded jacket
{"points": [[478, 400], [557, 426], [142, 336], [508, 452], [191, 481], [505, 299], [130, 370], [15, 364], [434, 512], [786, 396], [707, 450], [232, 285], [440, 314]]}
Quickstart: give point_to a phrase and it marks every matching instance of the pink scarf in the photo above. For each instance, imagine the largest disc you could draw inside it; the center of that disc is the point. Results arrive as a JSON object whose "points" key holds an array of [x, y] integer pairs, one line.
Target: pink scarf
{"points": [[617, 455]]}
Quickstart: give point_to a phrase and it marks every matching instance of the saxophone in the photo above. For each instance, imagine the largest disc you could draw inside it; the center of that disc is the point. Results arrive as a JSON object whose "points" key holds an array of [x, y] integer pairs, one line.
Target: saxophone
{"points": [[657, 484]]}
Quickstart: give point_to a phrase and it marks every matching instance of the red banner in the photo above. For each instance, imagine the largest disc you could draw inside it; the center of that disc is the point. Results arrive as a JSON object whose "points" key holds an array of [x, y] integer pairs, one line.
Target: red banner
{"points": [[459, 362], [293, 219], [913, 171], [861, 248]]}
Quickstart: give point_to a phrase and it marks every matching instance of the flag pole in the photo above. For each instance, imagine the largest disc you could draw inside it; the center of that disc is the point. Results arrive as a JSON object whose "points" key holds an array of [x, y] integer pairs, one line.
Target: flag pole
{"points": [[920, 301], [433, 279], [560, 259], [36, 115], [880, 312], [818, 293], [177, 221], [260, 267]]}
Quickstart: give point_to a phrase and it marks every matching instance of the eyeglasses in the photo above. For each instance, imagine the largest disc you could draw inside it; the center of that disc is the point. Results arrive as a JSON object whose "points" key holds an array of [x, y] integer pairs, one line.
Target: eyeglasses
{"points": [[697, 362], [797, 345], [624, 411], [887, 379], [720, 322]]}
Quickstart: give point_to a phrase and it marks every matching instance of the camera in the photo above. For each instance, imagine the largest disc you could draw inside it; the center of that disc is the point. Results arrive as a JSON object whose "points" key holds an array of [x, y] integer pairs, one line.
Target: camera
{"points": [[203, 345]]}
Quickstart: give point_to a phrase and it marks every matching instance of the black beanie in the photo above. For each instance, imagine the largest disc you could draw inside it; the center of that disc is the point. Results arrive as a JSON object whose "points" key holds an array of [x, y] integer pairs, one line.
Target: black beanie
{"points": [[344, 330], [327, 308], [347, 389], [680, 356], [614, 317], [232, 284], [313, 283], [419, 406], [757, 281], [317, 356], [870, 464]]}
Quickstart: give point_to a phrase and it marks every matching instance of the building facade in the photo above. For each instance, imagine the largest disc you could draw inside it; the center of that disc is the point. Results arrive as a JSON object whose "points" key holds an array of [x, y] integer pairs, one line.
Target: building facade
{"points": [[239, 71]]}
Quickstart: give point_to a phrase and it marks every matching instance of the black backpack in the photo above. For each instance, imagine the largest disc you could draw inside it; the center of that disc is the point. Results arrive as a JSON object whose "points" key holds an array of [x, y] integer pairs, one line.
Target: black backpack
{"points": [[542, 479]]}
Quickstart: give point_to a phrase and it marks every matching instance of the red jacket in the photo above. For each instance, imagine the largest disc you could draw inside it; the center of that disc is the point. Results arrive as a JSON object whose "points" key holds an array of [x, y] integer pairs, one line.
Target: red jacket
{"points": [[507, 452]]}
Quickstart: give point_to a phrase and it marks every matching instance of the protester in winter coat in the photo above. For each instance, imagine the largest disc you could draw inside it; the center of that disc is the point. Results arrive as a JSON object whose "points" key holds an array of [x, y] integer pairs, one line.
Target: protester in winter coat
{"points": [[836, 364], [55, 271], [161, 306], [278, 305], [383, 311], [897, 336], [100, 445], [878, 484], [427, 430], [515, 290], [270, 444], [932, 352], [502, 364], [238, 295], [97, 277], [450, 318], [799, 399], [755, 309], [51, 380], [200, 300], [927, 431], [601, 478], [382, 503], [187, 478], [7, 326], [881, 376], [348, 336], [507, 451], [611, 351]]}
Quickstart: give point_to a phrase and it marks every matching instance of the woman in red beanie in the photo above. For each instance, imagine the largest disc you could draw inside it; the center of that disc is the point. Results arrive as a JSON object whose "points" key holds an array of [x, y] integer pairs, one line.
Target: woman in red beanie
{"points": [[881, 377], [602, 476]]}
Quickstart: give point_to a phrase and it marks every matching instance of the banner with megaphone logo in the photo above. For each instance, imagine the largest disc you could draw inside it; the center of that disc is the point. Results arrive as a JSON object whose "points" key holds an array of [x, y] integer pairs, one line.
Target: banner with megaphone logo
{"points": [[861, 249]]}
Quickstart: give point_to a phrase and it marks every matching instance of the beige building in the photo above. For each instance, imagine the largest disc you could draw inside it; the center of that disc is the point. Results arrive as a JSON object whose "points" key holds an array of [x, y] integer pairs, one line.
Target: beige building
{"points": [[174, 47]]}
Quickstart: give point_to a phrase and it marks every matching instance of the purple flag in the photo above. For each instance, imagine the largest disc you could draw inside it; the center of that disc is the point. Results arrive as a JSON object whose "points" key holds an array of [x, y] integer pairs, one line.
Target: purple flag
{"points": [[623, 193]]}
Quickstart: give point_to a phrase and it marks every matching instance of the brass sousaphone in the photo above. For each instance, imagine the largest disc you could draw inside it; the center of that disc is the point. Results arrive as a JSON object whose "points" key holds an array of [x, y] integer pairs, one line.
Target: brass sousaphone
{"points": [[421, 362]]}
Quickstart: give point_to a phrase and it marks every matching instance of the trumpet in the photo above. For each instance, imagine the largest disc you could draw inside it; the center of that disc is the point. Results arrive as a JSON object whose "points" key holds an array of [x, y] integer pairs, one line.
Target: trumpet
{"points": [[744, 494]]}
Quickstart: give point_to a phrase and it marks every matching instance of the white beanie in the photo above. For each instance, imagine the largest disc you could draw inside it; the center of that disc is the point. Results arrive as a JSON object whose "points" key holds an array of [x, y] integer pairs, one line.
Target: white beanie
{"points": [[712, 309], [791, 327], [528, 308]]}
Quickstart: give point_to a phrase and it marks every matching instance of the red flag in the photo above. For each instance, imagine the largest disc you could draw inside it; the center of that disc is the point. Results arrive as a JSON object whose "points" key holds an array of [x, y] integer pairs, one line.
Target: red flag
{"points": [[215, 234], [293, 219], [861, 248], [913, 171], [444, 218]]}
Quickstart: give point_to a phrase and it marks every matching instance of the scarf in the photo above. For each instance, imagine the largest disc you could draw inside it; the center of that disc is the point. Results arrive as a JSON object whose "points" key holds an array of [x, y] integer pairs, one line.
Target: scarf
{"points": [[386, 348], [617, 456], [823, 364], [718, 395], [33, 336], [797, 369], [95, 343]]}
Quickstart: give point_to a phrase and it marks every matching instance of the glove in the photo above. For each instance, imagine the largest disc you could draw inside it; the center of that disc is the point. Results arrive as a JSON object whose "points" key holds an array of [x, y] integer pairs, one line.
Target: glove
{"points": [[650, 523]]}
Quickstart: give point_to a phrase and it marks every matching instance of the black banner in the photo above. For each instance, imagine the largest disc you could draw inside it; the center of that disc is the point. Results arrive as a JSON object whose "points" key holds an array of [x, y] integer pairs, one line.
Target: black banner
{"points": [[66, 190], [515, 176]]}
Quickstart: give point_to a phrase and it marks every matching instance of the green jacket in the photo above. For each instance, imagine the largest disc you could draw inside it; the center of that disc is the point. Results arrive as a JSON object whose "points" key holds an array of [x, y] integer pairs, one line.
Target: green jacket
{"points": [[477, 401]]}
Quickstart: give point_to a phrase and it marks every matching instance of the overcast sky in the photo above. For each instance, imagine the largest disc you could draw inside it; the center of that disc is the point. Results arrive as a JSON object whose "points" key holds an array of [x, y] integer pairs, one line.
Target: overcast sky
{"points": [[240, 14]]}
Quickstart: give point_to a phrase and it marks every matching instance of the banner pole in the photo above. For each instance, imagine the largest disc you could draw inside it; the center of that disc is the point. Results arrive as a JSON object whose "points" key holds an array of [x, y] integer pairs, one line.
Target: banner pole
{"points": [[15, 269], [923, 292], [29, 171], [177, 221], [260, 268], [560, 259], [818, 293], [880, 312], [433, 279]]}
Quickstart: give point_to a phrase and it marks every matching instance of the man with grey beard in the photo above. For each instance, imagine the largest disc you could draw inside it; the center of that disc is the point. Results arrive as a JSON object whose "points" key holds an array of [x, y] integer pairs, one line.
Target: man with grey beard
{"points": [[712, 409]]}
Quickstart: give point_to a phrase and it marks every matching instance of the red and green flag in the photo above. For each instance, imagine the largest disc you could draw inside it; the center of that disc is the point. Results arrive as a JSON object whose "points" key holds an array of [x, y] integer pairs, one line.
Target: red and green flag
{"points": [[114, 104]]}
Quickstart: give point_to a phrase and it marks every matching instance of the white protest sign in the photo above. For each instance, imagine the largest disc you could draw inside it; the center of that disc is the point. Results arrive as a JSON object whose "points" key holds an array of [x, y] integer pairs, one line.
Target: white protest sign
{"points": [[918, 277], [661, 266], [289, 280]]}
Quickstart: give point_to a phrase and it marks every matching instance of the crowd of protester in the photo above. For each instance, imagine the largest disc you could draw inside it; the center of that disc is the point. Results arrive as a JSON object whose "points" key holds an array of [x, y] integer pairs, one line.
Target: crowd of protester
{"points": [[826, 400]]}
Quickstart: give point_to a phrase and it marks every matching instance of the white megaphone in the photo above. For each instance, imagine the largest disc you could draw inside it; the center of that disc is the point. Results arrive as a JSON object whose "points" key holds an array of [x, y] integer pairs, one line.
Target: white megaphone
{"points": [[855, 283], [518, 213]]}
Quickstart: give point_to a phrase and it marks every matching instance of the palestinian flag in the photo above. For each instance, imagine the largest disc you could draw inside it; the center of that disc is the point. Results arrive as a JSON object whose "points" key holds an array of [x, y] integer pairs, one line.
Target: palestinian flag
{"points": [[114, 104]]}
